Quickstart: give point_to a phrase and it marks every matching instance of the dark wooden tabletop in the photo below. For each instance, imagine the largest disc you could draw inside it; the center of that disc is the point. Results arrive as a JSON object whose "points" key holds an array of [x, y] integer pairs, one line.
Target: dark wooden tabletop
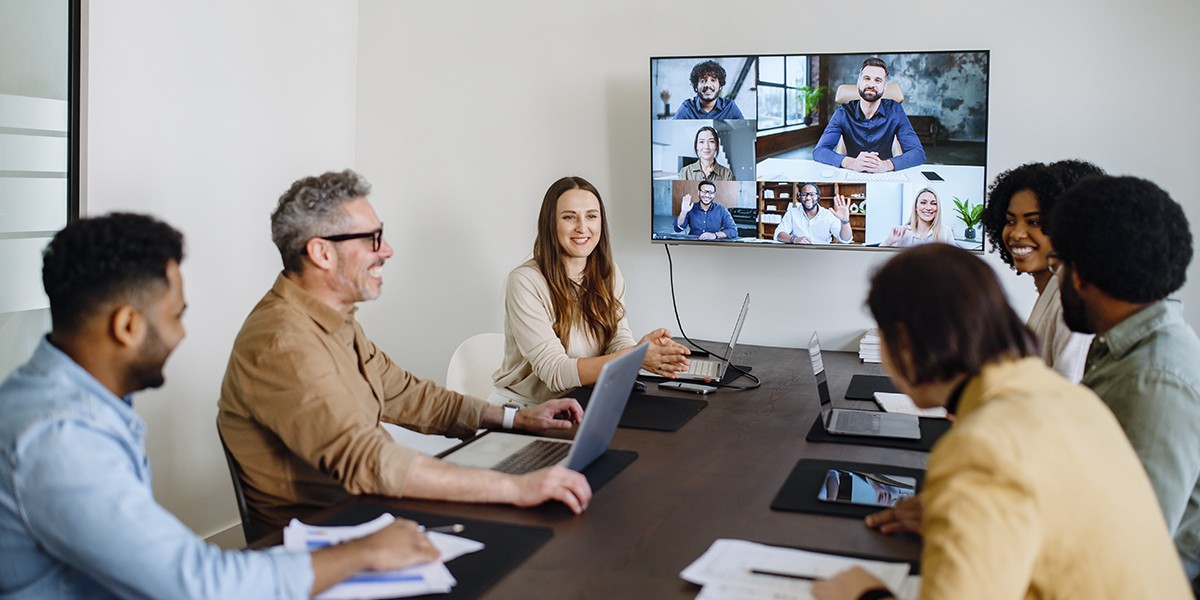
{"points": [[714, 478]]}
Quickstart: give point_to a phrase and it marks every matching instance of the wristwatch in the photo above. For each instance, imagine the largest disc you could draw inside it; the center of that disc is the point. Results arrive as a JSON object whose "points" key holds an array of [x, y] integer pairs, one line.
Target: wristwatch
{"points": [[510, 416]]}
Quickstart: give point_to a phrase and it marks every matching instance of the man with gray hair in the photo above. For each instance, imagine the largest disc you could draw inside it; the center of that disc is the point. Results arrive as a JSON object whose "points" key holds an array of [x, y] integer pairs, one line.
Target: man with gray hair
{"points": [[306, 392]]}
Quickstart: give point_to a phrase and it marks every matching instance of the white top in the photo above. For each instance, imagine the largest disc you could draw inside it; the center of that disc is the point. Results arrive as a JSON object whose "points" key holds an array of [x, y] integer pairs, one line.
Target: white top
{"points": [[1063, 350], [536, 364], [819, 229], [912, 239]]}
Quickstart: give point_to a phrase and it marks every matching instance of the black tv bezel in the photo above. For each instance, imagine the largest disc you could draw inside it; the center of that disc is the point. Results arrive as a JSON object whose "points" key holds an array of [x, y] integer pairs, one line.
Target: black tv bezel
{"points": [[983, 238]]}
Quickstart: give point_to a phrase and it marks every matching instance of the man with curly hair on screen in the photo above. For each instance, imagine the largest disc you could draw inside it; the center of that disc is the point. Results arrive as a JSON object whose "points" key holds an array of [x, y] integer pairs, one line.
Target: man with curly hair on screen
{"points": [[708, 79]]}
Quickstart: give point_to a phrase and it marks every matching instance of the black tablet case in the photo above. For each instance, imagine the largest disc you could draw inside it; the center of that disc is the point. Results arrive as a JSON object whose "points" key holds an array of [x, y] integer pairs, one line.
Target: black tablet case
{"points": [[799, 491], [505, 545], [931, 430], [863, 387], [646, 411]]}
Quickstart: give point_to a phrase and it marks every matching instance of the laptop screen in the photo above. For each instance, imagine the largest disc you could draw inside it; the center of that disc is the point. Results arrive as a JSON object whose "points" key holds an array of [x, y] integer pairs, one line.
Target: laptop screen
{"points": [[818, 367], [737, 329]]}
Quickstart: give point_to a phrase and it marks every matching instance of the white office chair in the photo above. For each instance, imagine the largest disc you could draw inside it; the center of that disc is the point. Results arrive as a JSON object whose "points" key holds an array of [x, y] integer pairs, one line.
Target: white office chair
{"points": [[471, 366], [470, 373]]}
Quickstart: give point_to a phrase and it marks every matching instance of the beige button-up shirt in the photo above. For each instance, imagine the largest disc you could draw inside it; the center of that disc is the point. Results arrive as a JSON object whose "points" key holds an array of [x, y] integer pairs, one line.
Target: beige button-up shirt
{"points": [[303, 402]]}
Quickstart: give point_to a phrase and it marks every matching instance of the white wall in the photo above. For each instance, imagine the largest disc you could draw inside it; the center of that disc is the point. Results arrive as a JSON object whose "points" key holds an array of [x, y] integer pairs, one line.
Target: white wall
{"points": [[202, 113], [466, 116]]}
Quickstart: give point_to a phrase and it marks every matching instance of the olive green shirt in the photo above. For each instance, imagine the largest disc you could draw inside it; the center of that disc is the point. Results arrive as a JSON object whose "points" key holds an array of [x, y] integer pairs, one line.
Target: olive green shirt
{"points": [[1147, 370]]}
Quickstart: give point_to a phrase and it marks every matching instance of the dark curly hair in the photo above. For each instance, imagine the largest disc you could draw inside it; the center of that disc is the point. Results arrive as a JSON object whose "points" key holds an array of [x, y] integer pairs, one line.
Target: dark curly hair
{"points": [[708, 67], [95, 263], [1035, 177], [1124, 235], [1071, 170], [971, 326]]}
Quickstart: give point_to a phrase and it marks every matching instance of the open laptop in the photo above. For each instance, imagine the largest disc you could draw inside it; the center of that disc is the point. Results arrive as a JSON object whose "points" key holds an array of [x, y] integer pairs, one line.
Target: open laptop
{"points": [[517, 454], [842, 421], [715, 369]]}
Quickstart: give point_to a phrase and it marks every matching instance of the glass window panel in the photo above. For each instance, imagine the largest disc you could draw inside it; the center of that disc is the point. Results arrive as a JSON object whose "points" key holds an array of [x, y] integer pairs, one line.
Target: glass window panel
{"points": [[770, 107], [770, 69], [797, 71]]}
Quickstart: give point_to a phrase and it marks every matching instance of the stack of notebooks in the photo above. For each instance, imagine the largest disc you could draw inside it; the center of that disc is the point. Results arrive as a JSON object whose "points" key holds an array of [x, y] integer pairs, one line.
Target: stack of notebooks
{"points": [[868, 347]]}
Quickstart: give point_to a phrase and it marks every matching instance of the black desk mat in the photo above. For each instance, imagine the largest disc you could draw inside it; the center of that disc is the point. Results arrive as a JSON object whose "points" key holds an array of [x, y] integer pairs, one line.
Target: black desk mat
{"points": [[863, 387], [647, 411], [505, 545], [931, 430], [799, 491]]}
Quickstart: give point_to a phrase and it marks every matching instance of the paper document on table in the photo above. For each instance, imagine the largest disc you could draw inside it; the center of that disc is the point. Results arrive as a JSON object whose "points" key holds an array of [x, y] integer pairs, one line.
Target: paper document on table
{"points": [[727, 568], [903, 404], [412, 581]]}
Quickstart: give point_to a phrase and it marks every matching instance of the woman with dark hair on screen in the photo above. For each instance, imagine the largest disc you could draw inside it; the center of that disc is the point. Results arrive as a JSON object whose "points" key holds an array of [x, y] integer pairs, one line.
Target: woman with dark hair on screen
{"points": [[564, 311], [923, 226], [707, 146], [1035, 492], [1016, 220]]}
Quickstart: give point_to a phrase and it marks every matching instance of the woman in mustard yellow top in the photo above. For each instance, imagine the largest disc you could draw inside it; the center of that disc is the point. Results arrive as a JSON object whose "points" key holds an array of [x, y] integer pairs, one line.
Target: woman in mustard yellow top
{"points": [[1034, 492]]}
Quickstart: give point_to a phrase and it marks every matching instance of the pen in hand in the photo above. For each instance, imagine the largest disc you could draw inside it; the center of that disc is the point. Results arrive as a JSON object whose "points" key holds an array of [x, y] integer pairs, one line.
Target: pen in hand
{"points": [[455, 528], [778, 574]]}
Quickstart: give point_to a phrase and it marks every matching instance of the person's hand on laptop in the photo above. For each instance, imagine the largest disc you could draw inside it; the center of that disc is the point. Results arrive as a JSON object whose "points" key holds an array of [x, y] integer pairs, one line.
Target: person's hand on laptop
{"points": [[904, 517], [664, 356], [551, 415], [553, 483]]}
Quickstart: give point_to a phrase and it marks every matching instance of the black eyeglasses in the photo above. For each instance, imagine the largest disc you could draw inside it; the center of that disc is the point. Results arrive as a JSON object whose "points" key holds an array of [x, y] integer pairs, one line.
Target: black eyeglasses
{"points": [[376, 237], [1053, 263]]}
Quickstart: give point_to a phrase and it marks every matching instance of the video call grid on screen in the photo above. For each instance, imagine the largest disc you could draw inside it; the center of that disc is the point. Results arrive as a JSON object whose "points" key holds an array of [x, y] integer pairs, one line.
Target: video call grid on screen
{"points": [[762, 133]]}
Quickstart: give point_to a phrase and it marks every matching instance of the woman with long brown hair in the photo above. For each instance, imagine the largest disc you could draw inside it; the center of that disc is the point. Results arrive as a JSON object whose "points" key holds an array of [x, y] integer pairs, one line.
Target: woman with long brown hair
{"points": [[564, 312]]}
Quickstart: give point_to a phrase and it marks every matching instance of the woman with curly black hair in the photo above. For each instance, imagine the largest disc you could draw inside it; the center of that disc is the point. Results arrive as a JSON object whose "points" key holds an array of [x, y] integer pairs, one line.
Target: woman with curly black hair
{"points": [[1015, 220]]}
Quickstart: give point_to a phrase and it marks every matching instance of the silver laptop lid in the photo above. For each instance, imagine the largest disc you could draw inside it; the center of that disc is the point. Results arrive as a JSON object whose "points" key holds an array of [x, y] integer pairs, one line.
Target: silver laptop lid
{"points": [[818, 367], [737, 329], [605, 406]]}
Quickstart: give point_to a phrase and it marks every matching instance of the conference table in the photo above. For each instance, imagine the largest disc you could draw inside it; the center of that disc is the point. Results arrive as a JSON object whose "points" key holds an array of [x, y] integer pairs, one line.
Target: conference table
{"points": [[713, 478]]}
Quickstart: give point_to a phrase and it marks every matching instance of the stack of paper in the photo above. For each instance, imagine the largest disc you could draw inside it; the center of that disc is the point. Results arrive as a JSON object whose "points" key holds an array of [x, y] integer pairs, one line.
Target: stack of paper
{"points": [[902, 404], [868, 347], [413, 581], [737, 569]]}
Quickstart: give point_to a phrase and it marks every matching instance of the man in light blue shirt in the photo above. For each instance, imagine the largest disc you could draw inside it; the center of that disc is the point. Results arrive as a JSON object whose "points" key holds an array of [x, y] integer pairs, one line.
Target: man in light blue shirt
{"points": [[78, 517], [1121, 247]]}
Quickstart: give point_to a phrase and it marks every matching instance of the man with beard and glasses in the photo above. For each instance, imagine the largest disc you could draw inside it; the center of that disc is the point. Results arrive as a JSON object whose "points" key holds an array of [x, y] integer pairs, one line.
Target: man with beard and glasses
{"points": [[78, 517], [306, 392], [1121, 247], [708, 79], [811, 223], [708, 220], [868, 127]]}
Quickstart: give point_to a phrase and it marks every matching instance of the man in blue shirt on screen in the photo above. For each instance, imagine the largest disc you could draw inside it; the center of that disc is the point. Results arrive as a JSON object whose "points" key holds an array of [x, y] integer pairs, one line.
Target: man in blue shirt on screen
{"points": [[868, 127], [707, 220], [78, 517], [708, 78]]}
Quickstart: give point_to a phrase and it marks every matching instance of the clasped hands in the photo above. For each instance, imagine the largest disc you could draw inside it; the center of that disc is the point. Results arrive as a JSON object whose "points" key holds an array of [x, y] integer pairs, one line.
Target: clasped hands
{"points": [[664, 356], [869, 162]]}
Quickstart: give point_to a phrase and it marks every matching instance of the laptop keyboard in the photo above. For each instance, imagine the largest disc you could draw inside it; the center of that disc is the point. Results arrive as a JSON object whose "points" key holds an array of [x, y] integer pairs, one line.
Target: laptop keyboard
{"points": [[704, 368], [858, 421], [535, 455]]}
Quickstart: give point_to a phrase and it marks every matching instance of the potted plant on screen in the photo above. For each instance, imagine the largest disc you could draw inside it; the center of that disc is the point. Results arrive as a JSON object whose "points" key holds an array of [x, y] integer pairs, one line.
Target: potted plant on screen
{"points": [[970, 215], [809, 97]]}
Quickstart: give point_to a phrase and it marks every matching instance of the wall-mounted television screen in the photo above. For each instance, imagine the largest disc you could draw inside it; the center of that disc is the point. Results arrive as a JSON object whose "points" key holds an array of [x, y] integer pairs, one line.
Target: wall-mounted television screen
{"points": [[863, 150]]}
